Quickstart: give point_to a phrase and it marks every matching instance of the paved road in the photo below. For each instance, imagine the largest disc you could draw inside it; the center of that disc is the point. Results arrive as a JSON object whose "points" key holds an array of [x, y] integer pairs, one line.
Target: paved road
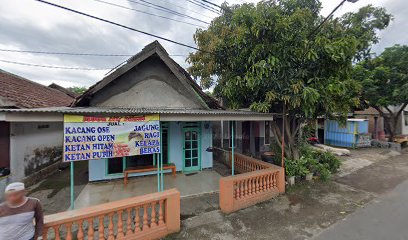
{"points": [[385, 218]]}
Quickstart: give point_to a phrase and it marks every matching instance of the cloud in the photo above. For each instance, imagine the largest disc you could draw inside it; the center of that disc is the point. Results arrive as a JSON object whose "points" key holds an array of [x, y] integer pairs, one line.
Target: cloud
{"points": [[30, 25], [396, 31], [45, 28]]}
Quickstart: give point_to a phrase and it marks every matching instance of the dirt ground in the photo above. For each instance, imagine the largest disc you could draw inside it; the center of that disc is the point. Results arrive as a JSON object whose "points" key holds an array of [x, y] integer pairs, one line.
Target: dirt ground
{"points": [[363, 157], [306, 209], [54, 192]]}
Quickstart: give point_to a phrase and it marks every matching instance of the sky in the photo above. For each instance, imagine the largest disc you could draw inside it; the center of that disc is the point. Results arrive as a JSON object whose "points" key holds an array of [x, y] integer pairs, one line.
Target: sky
{"points": [[34, 26]]}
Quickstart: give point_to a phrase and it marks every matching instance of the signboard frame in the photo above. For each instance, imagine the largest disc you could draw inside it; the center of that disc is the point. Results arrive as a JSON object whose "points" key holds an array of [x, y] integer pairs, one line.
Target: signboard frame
{"points": [[105, 120]]}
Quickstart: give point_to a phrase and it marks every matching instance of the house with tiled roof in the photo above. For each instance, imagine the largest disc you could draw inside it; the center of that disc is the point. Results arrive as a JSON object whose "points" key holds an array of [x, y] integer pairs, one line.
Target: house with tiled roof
{"points": [[29, 148], [150, 83], [376, 123], [64, 90], [19, 92]]}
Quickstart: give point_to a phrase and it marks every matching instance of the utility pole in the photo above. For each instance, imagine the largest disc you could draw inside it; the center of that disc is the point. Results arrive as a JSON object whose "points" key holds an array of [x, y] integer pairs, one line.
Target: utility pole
{"points": [[315, 31]]}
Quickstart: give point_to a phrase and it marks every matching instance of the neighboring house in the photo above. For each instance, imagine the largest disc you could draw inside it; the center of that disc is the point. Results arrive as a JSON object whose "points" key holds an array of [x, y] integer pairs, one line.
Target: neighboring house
{"points": [[19, 92], [404, 122], [150, 83], [375, 121], [251, 137], [28, 145], [402, 127], [64, 90]]}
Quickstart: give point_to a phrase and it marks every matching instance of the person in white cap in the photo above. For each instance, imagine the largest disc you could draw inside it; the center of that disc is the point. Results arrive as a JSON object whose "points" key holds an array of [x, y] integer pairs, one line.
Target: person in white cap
{"points": [[17, 214]]}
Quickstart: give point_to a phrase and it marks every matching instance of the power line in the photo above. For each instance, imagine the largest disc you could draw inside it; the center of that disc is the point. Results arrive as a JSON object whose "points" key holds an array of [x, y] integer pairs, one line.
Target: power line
{"points": [[78, 54], [147, 13], [66, 53], [211, 3], [206, 5], [118, 24], [52, 66], [165, 9], [327, 18], [200, 4], [185, 8]]}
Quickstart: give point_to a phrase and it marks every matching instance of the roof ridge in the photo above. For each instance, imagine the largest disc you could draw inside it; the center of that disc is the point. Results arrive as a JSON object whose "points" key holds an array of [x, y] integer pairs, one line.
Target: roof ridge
{"points": [[26, 93], [152, 48], [63, 90], [28, 80]]}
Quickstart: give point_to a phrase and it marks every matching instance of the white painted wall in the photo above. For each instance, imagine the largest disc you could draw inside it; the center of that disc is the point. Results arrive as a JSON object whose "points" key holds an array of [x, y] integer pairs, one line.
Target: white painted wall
{"points": [[150, 93], [25, 138], [404, 124], [262, 129], [403, 128]]}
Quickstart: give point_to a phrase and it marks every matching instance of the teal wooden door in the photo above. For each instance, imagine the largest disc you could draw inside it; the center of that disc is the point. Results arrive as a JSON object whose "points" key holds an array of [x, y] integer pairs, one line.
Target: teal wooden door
{"points": [[191, 150]]}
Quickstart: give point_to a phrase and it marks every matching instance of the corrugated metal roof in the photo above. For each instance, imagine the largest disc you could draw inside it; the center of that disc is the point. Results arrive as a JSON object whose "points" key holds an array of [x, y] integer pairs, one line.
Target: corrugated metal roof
{"points": [[103, 110]]}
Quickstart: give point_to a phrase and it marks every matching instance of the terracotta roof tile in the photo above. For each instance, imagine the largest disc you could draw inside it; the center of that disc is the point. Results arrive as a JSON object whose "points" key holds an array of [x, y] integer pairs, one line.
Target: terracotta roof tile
{"points": [[367, 111], [18, 92], [64, 90]]}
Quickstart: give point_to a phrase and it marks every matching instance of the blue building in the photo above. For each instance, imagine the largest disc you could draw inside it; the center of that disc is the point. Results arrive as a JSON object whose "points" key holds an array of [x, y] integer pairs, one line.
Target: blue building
{"points": [[352, 134]]}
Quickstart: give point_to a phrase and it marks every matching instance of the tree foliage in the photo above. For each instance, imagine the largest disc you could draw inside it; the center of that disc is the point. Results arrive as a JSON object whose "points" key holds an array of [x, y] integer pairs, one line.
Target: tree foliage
{"points": [[268, 57], [384, 81], [78, 90]]}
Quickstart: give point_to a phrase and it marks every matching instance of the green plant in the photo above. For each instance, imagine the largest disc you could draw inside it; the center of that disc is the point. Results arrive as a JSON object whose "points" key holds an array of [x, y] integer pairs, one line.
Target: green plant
{"points": [[312, 165], [290, 168], [317, 157], [302, 167], [388, 69], [263, 57], [324, 164], [324, 172], [333, 163]]}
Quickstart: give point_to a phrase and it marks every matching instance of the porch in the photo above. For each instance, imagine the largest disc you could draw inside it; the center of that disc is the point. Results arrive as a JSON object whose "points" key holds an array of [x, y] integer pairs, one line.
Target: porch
{"points": [[108, 191], [136, 211]]}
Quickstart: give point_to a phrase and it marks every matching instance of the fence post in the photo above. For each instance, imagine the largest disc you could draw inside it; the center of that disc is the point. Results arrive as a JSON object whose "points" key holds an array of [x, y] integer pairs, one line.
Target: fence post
{"points": [[226, 195], [172, 212], [281, 180]]}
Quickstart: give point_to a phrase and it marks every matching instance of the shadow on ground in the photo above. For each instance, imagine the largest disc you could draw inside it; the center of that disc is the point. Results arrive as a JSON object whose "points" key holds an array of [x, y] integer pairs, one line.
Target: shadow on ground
{"points": [[54, 191], [299, 214], [305, 210]]}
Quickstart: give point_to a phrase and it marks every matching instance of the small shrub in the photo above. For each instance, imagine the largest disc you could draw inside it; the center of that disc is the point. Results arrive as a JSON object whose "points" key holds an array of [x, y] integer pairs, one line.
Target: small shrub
{"points": [[296, 167], [290, 168], [324, 172], [323, 164], [332, 162], [312, 164], [302, 167]]}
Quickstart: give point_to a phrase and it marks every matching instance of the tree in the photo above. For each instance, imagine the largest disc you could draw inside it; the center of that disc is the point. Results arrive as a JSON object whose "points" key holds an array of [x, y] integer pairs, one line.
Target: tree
{"points": [[384, 81], [268, 57], [78, 90]]}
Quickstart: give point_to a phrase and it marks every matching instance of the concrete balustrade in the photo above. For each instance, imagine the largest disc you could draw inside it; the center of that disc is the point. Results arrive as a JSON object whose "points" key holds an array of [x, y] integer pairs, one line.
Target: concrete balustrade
{"points": [[258, 182], [243, 163], [150, 216]]}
